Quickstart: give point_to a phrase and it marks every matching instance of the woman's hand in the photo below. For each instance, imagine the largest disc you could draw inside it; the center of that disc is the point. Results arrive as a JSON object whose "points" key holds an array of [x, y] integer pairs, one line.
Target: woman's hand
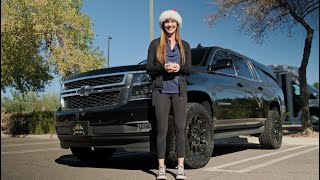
{"points": [[175, 67], [172, 67], [168, 67]]}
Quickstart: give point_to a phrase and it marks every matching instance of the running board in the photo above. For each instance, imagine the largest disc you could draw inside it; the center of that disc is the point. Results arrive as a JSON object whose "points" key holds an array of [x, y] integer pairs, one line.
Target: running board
{"points": [[238, 133]]}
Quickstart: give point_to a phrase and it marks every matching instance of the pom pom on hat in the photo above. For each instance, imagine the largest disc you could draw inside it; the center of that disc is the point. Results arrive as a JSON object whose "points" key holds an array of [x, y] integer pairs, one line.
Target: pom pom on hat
{"points": [[170, 14]]}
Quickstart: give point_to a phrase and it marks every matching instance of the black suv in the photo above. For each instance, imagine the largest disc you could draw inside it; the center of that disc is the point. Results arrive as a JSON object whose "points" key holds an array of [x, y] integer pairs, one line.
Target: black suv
{"points": [[228, 95]]}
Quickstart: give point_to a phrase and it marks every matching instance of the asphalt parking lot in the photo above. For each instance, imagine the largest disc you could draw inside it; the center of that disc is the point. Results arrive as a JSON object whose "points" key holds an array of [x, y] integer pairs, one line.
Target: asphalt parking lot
{"points": [[40, 157]]}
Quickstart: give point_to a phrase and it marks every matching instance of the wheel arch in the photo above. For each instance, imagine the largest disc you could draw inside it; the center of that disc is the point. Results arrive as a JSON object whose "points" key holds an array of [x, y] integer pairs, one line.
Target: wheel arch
{"points": [[202, 98], [273, 105]]}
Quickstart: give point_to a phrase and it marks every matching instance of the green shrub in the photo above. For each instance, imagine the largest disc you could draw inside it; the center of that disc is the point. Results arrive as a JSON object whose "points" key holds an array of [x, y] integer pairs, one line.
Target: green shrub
{"points": [[36, 122], [42, 122], [18, 124]]}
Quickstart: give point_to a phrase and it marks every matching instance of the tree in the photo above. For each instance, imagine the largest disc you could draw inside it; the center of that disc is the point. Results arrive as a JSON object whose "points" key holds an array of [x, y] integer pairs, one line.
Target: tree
{"points": [[19, 103], [43, 37], [316, 85], [263, 16]]}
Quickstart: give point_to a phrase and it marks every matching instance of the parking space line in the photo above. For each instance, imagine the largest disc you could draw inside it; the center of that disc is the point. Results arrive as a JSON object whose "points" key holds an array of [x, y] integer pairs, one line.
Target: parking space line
{"points": [[25, 144], [225, 170], [275, 160], [31, 151], [252, 158]]}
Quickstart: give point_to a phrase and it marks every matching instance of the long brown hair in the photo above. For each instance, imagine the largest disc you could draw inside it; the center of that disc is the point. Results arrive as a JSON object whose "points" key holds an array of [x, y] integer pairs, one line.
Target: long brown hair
{"points": [[162, 51]]}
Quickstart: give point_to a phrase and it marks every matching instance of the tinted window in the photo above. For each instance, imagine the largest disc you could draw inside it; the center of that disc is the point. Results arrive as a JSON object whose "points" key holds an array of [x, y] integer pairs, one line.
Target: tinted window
{"points": [[222, 55], [241, 67], [264, 75], [197, 55], [260, 73], [312, 89]]}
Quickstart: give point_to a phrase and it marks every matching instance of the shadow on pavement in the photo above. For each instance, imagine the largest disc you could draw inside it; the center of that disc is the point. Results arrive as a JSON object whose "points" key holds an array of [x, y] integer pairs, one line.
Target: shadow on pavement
{"points": [[131, 161], [145, 161], [222, 149]]}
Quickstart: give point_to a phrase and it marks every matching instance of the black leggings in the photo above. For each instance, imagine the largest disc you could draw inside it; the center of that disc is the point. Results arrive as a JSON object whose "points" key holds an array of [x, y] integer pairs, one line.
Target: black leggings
{"points": [[163, 103]]}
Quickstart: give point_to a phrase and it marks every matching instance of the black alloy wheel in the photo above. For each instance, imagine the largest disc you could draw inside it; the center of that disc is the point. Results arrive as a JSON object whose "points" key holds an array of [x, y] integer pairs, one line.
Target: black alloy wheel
{"points": [[271, 138], [199, 138]]}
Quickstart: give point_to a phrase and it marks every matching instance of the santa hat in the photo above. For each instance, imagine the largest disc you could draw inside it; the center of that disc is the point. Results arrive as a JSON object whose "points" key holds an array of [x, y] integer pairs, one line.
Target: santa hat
{"points": [[170, 14]]}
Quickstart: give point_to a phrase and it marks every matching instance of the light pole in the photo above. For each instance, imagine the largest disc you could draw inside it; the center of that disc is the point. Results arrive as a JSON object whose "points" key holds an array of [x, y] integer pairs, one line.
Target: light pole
{"points": [[109, 38], [151, 20]]}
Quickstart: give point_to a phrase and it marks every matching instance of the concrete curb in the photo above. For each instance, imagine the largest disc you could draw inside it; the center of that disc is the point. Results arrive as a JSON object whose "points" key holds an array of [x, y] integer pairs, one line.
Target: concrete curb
{"points": [[41, 136]]}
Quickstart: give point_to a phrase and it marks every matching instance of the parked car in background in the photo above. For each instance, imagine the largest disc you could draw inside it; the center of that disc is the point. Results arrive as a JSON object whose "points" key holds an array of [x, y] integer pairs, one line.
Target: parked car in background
{"points": [[288, 78]]}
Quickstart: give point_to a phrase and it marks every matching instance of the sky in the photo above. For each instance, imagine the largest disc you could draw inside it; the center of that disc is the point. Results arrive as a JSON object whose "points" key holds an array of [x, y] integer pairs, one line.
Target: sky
{"points": [[127, 22]]}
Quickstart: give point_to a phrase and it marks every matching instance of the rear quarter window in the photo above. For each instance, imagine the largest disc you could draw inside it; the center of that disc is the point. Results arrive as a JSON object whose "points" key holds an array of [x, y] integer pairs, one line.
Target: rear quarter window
{"points": [[265, 75]]}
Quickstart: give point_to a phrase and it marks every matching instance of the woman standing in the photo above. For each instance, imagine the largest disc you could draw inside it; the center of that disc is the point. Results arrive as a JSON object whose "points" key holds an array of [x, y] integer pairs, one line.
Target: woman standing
{"points": [[169, 59]]}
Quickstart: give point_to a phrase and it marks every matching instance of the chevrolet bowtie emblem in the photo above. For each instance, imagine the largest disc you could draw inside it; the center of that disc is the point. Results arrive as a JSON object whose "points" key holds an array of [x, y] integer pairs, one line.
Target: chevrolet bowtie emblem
{"points": [[84, 90]]}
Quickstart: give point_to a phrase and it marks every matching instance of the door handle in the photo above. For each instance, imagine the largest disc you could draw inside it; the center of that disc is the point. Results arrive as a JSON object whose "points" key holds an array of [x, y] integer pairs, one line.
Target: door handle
{"points": [[260, 88], [240, 84]]}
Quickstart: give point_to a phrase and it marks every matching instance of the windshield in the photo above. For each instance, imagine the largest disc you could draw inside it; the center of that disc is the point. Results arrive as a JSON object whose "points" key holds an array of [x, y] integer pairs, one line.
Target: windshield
{"points": [[312, 89], [143, 62]]}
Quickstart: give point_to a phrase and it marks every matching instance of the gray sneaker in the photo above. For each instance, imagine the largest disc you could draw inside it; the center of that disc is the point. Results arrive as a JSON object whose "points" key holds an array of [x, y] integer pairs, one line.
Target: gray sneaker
{"points": [[180, 173], [162, 173]]}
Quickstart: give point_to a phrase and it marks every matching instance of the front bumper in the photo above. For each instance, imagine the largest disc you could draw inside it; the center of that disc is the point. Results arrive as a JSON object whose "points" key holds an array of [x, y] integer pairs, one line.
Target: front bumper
{"points": [[129, 142], [130, 127]]}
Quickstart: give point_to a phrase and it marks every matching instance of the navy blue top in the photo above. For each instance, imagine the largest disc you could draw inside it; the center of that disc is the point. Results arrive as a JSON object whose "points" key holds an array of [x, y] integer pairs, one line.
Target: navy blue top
{"points": [[170, 82]]}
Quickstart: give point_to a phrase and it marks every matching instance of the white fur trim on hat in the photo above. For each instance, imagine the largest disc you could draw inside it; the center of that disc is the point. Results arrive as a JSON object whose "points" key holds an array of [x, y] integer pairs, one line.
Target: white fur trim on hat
{"points": [[170, 14]]}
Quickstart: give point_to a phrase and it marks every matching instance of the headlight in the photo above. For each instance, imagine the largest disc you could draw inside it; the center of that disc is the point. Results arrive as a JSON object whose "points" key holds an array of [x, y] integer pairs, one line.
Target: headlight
{"points": [[62, 102], [141, 87], [60, 95], [141, 78]]}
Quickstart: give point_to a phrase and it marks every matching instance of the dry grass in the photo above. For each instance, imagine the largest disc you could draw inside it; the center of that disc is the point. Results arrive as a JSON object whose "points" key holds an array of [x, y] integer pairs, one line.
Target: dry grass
{"points": [[298, 132]]}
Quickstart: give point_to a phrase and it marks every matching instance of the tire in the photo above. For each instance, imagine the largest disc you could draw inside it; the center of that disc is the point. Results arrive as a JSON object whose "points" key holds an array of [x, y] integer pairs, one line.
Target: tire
{"points": [[199, 138], [271, 138], [92, 155]]}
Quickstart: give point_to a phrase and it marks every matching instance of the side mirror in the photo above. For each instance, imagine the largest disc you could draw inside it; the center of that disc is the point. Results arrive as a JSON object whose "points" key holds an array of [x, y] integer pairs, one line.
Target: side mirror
{"points": [[221, 64]]}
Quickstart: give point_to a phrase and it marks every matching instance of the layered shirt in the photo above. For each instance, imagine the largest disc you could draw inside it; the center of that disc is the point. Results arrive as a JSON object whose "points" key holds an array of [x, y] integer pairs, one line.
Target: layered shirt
{"points": [[171, 80]]}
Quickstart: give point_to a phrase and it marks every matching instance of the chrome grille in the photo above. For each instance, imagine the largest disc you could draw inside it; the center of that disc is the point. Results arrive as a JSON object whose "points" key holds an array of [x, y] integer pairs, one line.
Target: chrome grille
{"points": [[92, 101], [94, 81]]}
